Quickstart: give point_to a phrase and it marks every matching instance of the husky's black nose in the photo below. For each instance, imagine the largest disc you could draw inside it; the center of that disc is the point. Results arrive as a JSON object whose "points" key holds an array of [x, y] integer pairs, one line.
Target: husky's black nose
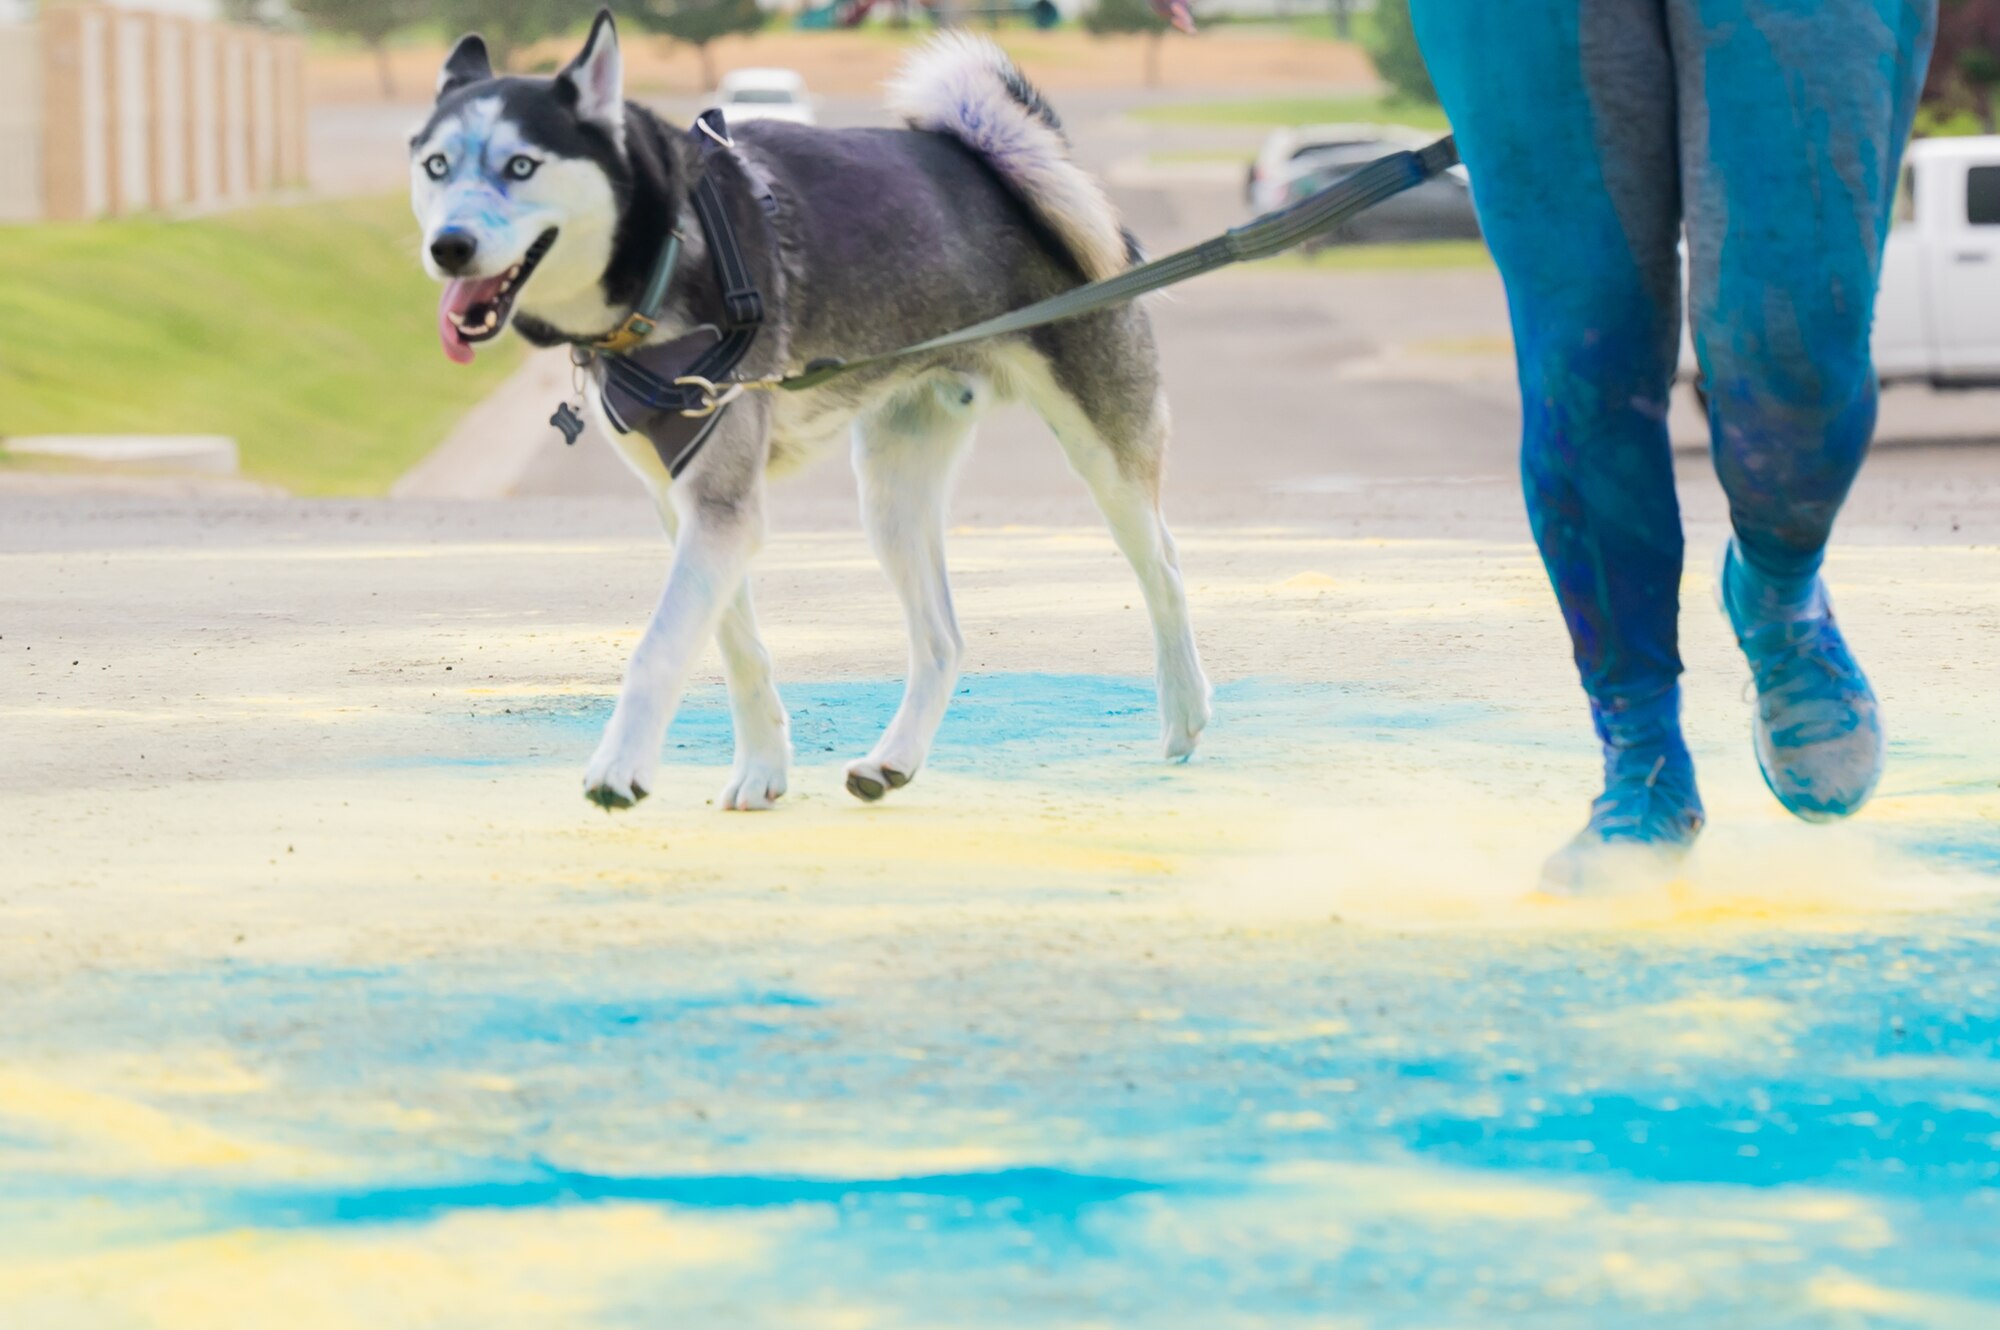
{"points": [[453, 250]]}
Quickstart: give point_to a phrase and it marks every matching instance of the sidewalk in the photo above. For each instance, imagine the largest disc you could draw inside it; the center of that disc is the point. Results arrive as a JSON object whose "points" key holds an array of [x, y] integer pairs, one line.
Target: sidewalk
{"points": [[501, 440]]}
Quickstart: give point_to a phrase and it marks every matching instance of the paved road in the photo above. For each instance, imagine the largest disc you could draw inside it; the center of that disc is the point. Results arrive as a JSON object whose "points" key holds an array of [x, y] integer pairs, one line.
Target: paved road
{"points": [[1287, 389], [1315, 380], [1285, 383]]}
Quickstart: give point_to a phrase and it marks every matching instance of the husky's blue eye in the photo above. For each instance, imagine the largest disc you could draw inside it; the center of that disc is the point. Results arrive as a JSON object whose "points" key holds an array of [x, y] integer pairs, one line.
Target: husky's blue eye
{"points": [[436, 167], [520, 168]]}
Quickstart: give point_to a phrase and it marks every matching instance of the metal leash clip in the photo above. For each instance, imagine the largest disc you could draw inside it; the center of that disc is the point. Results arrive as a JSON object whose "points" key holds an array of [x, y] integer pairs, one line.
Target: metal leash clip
{"points": [[714, 396]]}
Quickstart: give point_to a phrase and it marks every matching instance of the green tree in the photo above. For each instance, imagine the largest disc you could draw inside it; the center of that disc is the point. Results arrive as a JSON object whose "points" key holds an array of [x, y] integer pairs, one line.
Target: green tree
{"points": [[259, 13], [697, 22], [1394, 51], [371, 22], [1124, 16], [1965, 63], [509, 25]]}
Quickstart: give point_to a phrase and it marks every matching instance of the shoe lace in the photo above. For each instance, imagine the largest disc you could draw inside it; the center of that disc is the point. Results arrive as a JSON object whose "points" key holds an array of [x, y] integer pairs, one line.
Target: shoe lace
{"points": [[1634, 805], [1803, 680]]}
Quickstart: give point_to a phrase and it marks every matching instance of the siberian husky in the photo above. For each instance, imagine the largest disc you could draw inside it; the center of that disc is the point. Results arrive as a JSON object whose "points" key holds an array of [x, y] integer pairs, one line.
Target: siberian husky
{"points": [[546, 204]]}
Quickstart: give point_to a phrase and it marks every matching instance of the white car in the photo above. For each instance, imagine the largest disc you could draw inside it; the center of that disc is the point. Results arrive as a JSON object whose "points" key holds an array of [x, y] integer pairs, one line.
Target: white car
{"points": [[1937, 319], [765, 94], [1293, 152]]}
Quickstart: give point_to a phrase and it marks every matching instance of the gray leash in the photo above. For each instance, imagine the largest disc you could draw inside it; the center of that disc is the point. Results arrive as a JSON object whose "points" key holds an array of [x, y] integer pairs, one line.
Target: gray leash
{"points": [[1259, 238]]}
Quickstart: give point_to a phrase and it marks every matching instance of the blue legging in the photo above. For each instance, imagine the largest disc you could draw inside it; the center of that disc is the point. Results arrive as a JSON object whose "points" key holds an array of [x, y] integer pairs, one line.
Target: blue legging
{"points": [[1593, 129]]}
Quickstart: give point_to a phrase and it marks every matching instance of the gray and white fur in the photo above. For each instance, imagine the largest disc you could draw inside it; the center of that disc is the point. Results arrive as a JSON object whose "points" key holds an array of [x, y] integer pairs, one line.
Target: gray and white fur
{"points": [[879, 238]]}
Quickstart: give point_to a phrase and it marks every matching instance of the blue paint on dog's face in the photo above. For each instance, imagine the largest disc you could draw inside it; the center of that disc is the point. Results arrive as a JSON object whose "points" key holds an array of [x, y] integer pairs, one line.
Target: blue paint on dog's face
{"points": [[476, 174], [506, 163]]}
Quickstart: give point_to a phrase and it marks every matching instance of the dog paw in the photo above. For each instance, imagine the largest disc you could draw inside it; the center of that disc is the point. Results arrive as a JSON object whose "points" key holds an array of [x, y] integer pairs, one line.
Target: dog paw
{"points": [[621, 772], [1184, 714], [869, 779], [611, 793], [756, 783]]}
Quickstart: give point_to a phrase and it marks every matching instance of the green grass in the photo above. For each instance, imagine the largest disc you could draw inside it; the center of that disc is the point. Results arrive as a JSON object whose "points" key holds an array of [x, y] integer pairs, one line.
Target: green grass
{"points": [[306, 332], [1366, 258], [1934, 123], [1276, 111]]}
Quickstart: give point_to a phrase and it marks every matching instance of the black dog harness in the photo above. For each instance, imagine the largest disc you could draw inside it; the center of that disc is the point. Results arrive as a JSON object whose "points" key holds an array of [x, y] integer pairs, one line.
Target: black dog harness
{"points": [[675, 393]]}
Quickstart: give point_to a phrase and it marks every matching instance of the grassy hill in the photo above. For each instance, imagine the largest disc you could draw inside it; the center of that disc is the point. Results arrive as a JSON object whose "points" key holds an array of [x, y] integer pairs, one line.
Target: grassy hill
{"points": [[306, 332]]}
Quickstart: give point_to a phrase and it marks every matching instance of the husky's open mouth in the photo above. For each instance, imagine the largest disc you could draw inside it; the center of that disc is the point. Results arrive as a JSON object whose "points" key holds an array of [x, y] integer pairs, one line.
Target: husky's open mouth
{"points": [[475, 309]]}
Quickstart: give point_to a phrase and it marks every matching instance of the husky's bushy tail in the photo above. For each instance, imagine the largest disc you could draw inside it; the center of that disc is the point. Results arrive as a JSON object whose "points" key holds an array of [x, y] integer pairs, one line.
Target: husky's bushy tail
{"points": [[966, 87]]}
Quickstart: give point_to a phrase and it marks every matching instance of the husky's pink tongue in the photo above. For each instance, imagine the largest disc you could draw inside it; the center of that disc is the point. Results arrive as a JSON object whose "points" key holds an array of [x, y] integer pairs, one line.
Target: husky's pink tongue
{"points": [[461, 296]]}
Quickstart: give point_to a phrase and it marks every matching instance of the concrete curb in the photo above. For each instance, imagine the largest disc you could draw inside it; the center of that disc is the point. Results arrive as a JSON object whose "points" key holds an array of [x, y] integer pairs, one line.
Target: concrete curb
{"points": [[208, 454]]}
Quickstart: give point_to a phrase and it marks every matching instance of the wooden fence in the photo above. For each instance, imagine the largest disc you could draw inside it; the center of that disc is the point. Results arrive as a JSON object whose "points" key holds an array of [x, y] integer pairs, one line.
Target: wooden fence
{"points": [[118, 111]]}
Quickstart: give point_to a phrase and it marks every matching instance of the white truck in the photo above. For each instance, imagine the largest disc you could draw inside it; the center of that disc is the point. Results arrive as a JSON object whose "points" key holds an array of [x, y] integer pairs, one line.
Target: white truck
{"points": [[1937, 318]]}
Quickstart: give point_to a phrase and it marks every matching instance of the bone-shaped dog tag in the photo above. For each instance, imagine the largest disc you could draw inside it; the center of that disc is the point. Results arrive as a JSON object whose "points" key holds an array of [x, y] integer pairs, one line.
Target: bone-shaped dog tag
{"points": [[569, 422]]}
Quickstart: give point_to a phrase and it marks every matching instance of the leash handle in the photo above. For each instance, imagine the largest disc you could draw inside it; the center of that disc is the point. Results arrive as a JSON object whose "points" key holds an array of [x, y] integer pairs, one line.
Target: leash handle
{"points": [[1377, 182]]}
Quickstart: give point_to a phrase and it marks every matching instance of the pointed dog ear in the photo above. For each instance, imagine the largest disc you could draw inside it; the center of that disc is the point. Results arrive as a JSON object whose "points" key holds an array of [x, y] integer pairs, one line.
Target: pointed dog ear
{"points": [[595, 80], [467, 63]]}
